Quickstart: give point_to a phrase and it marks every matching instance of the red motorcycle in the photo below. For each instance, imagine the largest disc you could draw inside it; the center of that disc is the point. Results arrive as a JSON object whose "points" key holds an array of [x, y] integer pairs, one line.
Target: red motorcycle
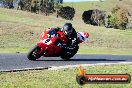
{"points": [[51, 44]]}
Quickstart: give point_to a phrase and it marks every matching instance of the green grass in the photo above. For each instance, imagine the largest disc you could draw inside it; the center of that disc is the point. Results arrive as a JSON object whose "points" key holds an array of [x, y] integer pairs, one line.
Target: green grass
{"points": [[63, 78], [82, 50], [104, 50], [105, 6]]}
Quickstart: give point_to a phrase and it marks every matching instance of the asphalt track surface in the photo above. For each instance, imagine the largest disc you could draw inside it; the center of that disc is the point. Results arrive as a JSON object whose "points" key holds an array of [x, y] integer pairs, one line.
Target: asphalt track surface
{"points": [[19, 61]]}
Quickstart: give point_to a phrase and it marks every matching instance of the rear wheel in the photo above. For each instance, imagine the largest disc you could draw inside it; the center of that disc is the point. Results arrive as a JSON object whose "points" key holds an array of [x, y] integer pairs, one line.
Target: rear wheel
{"points": [[33, 53], [65, 56]]}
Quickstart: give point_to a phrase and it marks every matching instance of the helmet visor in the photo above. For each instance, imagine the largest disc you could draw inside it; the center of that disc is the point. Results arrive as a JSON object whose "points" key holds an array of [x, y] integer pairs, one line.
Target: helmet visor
{"points": [[67, 32]]}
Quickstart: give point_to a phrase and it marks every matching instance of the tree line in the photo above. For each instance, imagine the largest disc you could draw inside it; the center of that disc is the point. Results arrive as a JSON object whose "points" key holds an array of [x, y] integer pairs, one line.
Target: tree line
{"points": [[42, 6], [118, 18]]}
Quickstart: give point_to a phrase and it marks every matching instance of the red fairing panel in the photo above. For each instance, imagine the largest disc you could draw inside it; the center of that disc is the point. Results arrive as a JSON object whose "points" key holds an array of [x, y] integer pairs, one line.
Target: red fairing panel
{"points": [[51, 50]]}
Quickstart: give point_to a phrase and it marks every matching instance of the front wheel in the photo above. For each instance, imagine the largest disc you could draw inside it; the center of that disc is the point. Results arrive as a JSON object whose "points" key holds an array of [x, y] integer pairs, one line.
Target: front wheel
{"points": [[33, 53]]}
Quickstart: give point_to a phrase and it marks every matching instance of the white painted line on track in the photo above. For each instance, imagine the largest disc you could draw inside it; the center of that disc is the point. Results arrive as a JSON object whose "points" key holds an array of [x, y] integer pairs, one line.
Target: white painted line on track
{"points": [[75, 66]]}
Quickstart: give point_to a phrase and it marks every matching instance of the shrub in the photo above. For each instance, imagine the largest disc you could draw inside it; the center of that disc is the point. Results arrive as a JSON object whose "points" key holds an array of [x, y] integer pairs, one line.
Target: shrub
{"points": [[94, 17], [66, 12], [111, 21], [118, 18], [86, 16]]}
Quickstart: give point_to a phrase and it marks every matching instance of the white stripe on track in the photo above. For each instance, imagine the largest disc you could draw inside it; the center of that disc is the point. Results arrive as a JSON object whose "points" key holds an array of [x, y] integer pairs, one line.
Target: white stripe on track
{"points": [[75, 66]]}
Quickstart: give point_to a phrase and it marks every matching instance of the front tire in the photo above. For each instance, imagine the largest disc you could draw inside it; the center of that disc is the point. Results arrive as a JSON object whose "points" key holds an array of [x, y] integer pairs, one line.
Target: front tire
{"points": [[33, 53]]}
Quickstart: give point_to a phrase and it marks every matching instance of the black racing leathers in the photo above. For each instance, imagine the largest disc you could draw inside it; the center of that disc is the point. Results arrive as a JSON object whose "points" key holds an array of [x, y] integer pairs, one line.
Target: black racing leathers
{"points": [[71, 47]]}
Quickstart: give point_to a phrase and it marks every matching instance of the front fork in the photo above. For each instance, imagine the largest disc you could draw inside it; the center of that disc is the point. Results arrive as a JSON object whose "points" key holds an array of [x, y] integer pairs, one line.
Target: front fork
{"points": [[43, 47]]}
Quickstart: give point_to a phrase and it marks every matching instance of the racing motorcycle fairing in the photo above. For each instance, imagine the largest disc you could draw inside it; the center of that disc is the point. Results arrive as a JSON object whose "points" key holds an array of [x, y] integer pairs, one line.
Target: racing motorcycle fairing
{"points": [[52, 44]]}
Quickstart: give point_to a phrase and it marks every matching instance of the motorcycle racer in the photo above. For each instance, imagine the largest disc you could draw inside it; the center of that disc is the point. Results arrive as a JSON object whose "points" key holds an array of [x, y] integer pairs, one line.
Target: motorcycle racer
{"points": [[58, 42], [71, 46]]}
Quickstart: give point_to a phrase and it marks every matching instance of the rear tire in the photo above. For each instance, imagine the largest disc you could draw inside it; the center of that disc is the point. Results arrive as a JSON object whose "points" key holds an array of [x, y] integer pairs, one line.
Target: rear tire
{"points": [[33, 53], [65, 56]]}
